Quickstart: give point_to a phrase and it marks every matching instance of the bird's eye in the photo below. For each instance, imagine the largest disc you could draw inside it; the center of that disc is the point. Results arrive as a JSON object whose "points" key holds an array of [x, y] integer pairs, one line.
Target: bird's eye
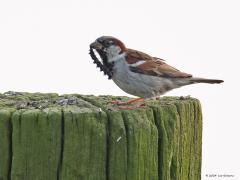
{"points": [[108, 43], [111, 42]]}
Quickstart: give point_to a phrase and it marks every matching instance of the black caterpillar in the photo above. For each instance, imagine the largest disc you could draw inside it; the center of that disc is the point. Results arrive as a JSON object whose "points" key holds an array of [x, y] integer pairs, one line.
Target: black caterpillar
{"points": [[99, 64]]}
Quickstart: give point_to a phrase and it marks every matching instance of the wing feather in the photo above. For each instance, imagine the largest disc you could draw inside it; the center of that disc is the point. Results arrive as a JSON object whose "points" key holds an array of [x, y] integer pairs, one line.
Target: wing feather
{"points": [[153, 66]]}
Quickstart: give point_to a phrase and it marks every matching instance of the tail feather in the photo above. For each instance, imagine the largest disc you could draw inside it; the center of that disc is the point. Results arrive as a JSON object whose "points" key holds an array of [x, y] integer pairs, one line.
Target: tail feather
{"points": [[203, 80]]}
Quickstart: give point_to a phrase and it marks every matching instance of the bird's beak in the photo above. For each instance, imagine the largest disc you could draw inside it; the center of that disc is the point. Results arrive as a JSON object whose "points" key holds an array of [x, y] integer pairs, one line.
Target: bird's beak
{"points": [[96, 45]]}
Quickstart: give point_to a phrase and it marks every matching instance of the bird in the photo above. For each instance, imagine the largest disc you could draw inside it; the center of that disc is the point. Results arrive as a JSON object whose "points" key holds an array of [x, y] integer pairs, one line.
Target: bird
{"points": [[137, 73]]}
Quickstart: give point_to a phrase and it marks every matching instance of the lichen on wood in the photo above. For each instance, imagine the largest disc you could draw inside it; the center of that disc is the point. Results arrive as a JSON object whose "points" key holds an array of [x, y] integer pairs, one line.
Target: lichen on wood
{"points": [[47, 136]]}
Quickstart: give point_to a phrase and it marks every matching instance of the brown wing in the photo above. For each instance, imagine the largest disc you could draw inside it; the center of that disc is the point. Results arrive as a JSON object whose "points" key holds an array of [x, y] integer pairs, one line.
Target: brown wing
{"points": [[134, 56], [152, 66]]}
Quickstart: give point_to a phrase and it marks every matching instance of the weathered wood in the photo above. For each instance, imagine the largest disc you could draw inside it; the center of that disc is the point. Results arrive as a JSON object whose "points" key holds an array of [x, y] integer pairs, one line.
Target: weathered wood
{"points": [[47, 137], [36, 144], [5, 143], [85, 144]]}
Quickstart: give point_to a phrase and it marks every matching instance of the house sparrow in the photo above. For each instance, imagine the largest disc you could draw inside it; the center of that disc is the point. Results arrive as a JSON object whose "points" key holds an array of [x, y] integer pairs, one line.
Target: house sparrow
{"points": [[138, 73]]}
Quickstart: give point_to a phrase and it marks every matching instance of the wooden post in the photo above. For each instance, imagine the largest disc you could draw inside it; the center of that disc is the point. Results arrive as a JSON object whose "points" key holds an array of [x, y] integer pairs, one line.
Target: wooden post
{"points": [[77, 137]]}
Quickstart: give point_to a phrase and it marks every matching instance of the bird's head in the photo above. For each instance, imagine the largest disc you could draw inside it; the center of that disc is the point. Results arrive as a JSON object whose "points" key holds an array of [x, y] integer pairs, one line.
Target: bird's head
{"points": [[109, 48]]}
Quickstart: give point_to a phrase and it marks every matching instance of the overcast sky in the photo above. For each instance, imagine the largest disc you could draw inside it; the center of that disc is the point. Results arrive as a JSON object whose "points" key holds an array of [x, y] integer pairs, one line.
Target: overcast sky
{"points": [[44, 48]]}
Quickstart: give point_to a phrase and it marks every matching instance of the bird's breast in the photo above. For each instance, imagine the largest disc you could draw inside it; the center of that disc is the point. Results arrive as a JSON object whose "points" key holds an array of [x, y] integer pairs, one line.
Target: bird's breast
{"points": [[130, 82], [138, 84]]}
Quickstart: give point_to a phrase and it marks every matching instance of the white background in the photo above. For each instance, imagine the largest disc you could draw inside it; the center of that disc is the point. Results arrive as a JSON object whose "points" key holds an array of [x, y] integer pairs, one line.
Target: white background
{"points": [[44, 48]]}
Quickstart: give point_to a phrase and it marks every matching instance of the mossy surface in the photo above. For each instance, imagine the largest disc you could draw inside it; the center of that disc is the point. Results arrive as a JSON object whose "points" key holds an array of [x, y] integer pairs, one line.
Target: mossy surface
{"points": [[5, 143], [47, 136], [36, 144], [85, 144]]}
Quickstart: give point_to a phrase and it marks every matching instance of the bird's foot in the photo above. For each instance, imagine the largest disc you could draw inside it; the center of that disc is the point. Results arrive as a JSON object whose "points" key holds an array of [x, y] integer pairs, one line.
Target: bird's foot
{"points": [[132, 101], [131, 104]]}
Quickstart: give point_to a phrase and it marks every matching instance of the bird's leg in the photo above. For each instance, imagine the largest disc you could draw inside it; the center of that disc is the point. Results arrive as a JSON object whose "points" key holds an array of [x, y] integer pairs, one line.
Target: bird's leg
{"points": [[135, 100], [133, 104], [132, 101]]}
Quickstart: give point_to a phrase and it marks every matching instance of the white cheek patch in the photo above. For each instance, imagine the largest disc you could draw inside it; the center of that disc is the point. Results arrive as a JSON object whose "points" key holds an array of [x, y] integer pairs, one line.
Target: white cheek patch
{"points": [[114, 49], [137, 63], [113, 53], [117, 58]]}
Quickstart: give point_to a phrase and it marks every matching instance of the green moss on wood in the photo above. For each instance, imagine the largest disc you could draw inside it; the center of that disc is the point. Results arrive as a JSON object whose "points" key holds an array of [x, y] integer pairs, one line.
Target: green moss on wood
{"points": [[117, 147], [142, 145], [46, 136], [85, 144], [36, 143], [5, 143]]}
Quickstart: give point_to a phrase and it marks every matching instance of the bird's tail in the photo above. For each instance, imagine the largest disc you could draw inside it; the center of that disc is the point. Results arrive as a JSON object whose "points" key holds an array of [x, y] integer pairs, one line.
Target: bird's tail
{"points": [[203, 80]]}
